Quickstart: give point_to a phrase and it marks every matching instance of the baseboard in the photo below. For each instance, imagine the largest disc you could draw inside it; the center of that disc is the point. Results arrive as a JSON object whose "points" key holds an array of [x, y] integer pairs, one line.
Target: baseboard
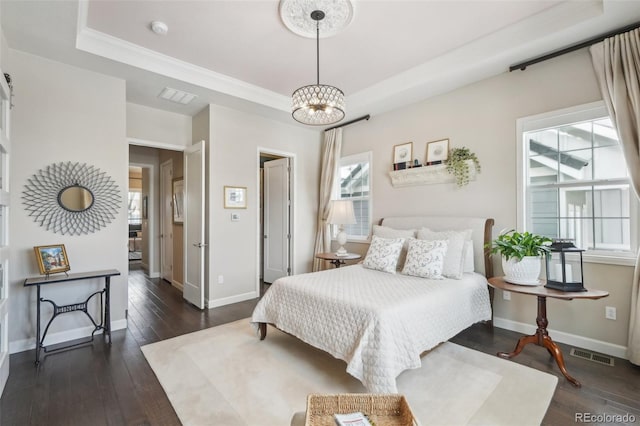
{"points": [[568, 338], [153, 274], [62, 336], [214, 303], [177, 284]]}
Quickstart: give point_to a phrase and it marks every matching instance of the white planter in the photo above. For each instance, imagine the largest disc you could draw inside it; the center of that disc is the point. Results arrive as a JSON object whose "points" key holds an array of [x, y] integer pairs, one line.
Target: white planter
{"points": [[525, 271]]}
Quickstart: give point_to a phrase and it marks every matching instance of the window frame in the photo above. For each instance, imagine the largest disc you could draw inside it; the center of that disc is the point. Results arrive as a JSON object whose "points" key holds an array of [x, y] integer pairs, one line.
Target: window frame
{"points": [[363, 157], [563, 117]]}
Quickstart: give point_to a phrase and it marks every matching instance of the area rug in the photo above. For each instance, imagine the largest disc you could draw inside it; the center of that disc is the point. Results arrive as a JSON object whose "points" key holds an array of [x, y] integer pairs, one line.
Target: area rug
{"points": [[226, 376]]}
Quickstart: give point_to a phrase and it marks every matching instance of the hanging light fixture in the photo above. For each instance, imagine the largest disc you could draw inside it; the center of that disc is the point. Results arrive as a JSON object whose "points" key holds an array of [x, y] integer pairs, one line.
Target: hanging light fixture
{"points": [[318, 104]]}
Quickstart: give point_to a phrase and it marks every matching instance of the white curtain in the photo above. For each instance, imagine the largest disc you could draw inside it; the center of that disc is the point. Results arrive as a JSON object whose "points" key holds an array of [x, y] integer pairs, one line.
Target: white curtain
{"points": [[616, 61], [331, 149]]}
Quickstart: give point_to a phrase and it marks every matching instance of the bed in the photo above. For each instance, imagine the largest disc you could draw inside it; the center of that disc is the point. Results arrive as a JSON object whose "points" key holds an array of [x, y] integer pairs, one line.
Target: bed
{"points": [[380, 323]]}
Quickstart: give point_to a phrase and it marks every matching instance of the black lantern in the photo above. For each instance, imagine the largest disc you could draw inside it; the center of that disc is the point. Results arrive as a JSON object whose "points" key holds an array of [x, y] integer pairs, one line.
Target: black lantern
{"points": [[564, 266]]}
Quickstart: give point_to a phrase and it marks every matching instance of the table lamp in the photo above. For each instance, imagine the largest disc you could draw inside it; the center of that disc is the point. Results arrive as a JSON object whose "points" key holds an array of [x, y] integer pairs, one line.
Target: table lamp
{"points": [[341, 213]]}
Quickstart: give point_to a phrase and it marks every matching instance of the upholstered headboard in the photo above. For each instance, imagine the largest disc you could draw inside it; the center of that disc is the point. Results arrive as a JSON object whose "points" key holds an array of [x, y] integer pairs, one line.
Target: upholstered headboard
{"points": [[481, 233]]}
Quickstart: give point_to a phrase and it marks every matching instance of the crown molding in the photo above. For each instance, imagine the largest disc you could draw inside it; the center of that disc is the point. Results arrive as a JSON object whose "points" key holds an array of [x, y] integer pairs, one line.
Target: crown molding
{"points": [[107, 46]]}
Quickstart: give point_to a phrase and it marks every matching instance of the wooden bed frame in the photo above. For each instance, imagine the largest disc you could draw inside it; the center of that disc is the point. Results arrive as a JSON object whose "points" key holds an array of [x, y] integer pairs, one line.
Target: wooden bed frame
{"points": [[439, 224]]}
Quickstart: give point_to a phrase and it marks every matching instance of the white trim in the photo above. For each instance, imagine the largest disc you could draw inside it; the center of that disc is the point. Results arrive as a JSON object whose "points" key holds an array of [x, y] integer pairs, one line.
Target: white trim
{"points": [[151, 214], [107, 46], [153, 274], [292, 214], [552, 119], [177, 284], [214, 303], [63, 336], [155, 144], [568, 338]]}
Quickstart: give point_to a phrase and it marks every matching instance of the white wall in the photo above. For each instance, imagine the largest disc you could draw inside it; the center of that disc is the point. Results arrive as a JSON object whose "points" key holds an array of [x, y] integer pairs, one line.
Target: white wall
{"points": [[482, 117], [154, 125], [63, 113], [235, 139]]}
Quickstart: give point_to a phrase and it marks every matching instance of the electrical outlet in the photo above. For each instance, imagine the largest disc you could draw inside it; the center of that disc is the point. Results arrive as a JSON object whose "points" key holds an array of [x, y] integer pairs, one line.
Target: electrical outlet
{"points": [[506, 295], [610, 312], [220, 279]]}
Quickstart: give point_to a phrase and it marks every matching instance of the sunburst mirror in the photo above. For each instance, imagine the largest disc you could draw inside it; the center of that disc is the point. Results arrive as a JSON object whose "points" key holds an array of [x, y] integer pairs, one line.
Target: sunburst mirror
{"points": [[71, 198]]}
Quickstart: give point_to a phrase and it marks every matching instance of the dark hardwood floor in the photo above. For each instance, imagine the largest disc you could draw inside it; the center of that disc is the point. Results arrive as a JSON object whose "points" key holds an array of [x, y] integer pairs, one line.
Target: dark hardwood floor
{"points": [[102, 385]]}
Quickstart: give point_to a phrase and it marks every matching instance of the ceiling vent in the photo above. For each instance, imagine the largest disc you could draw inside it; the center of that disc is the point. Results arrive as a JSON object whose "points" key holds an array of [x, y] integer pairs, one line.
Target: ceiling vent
{"points": [[177, 96]]}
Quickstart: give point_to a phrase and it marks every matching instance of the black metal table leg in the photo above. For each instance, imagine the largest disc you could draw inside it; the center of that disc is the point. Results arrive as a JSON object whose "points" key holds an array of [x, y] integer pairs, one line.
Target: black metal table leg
{"points": [[38, 342], [107, 308]]}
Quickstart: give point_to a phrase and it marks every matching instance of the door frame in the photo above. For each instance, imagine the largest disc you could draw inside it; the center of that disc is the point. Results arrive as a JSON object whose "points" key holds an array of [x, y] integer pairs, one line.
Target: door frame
{"points": [[158, 145], [292, 211], [164, 220], [151, 216]]}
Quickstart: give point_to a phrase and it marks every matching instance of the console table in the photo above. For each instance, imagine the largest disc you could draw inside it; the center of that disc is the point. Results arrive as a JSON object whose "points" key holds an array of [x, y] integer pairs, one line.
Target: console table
{"points": [[541, 337], [105, 313]]}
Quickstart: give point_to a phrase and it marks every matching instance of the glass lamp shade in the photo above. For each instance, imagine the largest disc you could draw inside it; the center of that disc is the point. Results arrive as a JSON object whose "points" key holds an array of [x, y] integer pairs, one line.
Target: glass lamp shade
{"points": [[318, 105], [564, 266]]}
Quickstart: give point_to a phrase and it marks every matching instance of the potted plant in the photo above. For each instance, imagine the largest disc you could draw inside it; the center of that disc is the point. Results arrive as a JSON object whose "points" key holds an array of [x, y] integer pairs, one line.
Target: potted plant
{"points": [[459, 162], [521, 254]]}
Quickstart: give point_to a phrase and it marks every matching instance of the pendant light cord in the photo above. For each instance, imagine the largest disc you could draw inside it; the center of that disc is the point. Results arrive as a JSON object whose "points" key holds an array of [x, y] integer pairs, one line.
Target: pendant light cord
{"points": [[318, 52]]}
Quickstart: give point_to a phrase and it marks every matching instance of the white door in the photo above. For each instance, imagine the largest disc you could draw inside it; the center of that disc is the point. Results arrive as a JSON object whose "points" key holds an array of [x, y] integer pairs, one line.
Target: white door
{"points": [[276, 219], [194, 238], [166, 221]]}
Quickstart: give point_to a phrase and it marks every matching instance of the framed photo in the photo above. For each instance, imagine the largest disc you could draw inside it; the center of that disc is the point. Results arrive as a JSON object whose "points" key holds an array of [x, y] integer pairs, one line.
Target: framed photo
{"points": [[437, 151], [403, 152], [178, 200], [52, 259], [235, 197]]}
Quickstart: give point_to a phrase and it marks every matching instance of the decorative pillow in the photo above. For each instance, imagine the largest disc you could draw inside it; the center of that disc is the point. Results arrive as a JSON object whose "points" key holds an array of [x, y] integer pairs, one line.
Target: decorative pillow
{"points": [[425, 258], [386, 232], [453, 260], [468, 262], [383, 254]]}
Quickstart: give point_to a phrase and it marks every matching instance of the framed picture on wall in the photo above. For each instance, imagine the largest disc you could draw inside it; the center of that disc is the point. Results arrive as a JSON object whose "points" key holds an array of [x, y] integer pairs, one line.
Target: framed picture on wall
{"points": [[52, 259], [178, 200], [437, 151], [402, 152], [235, 197]]}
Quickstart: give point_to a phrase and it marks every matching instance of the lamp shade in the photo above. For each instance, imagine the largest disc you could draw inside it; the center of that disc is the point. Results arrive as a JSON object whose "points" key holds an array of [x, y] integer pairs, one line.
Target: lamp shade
{"points": [[341, 213]]}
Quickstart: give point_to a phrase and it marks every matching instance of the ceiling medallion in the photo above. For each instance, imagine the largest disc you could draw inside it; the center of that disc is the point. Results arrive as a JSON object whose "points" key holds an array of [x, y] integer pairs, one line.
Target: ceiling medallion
{"points": [[296, 16]]}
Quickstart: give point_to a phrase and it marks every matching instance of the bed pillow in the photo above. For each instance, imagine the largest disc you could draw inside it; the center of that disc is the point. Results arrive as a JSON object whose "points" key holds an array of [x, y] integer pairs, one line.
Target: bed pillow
{"points": [[383, 254], [454, 258], [386, 232], [425, 258], [468, 262]]}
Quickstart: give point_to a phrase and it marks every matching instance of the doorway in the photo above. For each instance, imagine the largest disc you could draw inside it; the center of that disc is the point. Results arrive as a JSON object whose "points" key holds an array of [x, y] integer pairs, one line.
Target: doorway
{"points": [[275, 216], [156, 212]]}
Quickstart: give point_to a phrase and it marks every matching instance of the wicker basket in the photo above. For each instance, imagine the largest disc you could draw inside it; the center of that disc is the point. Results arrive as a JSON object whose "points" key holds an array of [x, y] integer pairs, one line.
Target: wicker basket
{"points": [[383, 410]]}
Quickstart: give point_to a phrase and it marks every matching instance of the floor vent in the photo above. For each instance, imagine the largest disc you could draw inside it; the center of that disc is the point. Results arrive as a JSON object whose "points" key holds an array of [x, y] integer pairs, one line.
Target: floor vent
{"points": [[600, 359]]}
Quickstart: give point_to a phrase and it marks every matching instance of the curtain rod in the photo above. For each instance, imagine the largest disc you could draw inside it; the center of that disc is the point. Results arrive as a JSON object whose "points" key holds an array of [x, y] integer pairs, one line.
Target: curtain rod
{"points": [[355, 120], [523, 65]]}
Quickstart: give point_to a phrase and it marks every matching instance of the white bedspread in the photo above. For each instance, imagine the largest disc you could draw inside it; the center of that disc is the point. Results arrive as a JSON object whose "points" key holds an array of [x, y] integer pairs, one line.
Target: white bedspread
{"points": [[378, 323]]}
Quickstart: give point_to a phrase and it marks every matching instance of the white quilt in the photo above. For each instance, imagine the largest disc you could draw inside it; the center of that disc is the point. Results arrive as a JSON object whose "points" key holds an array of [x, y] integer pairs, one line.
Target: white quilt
{"points": [[378, 323]]}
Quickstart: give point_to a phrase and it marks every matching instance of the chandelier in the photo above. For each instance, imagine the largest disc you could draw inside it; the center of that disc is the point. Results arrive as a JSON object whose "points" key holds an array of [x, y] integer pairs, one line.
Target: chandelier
{"points": [[318, 104]]}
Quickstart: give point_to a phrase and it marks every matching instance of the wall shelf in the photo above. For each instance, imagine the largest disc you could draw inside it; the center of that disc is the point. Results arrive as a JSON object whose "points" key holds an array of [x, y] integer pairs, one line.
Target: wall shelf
{"points": [[427, 175]]}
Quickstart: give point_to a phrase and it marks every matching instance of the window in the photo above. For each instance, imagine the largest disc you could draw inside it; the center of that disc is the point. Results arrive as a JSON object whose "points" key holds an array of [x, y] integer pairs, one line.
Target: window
{"points": [[354, 183], [575, 182], [135, 208]]}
